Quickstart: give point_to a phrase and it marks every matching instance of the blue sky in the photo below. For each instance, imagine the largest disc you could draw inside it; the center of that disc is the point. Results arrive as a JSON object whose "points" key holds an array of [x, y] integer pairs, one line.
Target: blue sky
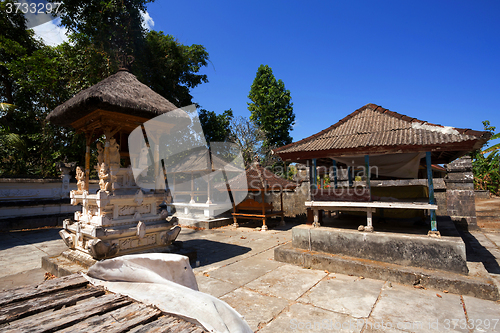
{"points": [[437, 61], [434, 60]]}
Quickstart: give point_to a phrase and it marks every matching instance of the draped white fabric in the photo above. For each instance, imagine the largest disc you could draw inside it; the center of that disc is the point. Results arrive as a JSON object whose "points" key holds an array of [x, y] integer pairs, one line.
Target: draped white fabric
{"points": [[167, 282], [390, 165]]}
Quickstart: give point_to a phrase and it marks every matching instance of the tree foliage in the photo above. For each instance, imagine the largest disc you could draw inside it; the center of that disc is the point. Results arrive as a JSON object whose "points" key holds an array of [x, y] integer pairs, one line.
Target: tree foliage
{"points": [[486, 164], [249, 138], [271, 107], [170, 68], [216, 127], [32, 83], [35, 78]]}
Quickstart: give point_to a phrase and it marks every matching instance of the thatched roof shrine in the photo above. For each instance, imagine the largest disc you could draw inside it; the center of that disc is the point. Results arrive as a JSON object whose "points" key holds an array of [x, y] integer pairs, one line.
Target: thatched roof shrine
{"points": [[119, 98]]}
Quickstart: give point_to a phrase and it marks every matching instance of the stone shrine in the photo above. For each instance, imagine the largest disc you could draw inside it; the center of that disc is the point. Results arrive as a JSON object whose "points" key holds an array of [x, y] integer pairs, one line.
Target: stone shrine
{"points": [[120, 218]]}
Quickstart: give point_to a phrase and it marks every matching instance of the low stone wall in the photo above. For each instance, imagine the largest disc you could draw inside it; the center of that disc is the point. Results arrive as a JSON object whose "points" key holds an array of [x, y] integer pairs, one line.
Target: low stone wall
{"points": [[460, 193], [293, 202], [445, 253], [34, 203]]}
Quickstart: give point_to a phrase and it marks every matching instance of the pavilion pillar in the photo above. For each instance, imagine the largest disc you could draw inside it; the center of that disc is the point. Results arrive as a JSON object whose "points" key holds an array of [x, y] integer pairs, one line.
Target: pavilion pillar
{"points": [[431, 192], [349, 176], [314, 174], [88, 139], [192, 189], [368, 175], [282, 223], [208, 190], [263, 195], [334, 173]]}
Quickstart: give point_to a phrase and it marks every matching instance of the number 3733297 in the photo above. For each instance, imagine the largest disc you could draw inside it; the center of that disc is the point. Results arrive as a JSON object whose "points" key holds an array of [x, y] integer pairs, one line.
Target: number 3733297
{"points": [[33, 8]]}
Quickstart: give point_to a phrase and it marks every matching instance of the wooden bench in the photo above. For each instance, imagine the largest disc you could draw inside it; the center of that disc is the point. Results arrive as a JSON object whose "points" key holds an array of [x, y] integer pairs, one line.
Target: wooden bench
{"points": [[252, 209]]}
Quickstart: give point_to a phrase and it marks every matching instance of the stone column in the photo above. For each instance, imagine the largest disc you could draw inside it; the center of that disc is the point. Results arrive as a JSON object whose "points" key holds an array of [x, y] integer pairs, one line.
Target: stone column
{"points": [[460, 193]]}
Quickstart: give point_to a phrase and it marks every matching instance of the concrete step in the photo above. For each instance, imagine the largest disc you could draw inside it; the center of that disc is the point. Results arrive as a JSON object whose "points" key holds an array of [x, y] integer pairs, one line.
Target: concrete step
{"points": [[477, 283]]}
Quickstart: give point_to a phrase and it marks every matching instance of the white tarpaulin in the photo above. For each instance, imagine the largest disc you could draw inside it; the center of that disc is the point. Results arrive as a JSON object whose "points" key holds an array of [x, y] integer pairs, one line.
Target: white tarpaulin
{"points": [[166, 281], [390, 165]]}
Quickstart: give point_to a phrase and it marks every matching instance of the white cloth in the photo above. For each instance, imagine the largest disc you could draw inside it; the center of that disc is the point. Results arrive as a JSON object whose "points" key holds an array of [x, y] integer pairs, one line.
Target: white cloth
{"points": [[166, 281], [391, 165]]}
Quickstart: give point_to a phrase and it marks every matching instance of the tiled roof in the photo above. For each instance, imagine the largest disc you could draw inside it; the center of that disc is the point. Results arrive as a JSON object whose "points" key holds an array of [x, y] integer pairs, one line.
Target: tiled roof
{"points": [[373, 126], [257, 177]]}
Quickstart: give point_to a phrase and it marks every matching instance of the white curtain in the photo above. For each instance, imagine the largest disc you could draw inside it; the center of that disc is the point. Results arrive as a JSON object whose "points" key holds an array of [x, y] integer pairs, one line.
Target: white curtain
{"points": [[390, 165]]}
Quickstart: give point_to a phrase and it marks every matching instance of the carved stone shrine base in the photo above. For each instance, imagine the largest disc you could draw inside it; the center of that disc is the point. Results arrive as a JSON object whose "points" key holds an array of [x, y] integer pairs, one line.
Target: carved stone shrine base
{"points": [[122, 220]]}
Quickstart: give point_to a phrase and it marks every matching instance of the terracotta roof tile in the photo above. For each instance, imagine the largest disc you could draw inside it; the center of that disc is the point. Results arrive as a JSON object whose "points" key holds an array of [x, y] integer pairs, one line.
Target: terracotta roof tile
{"points": [[373, 126]]}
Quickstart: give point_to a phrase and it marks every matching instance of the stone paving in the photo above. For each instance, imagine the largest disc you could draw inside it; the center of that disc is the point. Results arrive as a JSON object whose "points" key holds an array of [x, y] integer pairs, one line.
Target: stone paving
{"points": [[238, 267]]}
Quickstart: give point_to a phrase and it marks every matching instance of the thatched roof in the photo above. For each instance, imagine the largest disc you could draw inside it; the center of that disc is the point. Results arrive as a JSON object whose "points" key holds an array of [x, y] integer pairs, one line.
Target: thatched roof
{"points": [[120, 92], [375, 130]]}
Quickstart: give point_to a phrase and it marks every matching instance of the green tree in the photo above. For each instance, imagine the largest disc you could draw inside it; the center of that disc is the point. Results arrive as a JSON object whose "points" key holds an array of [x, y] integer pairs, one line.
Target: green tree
{"points": [[486, 164], [170, 68], [271, 107], [35, 78], [216, 127], [110, 26]]}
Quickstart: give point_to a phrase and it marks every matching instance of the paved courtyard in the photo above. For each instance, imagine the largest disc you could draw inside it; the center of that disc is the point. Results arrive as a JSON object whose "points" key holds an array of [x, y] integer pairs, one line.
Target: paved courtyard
{"points": [[238, 267]]}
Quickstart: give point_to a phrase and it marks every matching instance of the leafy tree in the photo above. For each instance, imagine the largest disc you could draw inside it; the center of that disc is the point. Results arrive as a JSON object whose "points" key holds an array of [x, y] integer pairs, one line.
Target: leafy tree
{"points": [[35, 78], [249, 138], [111, 26], [486, 164], [170, 68], [105, 31], [216, 127], [271, 107]]}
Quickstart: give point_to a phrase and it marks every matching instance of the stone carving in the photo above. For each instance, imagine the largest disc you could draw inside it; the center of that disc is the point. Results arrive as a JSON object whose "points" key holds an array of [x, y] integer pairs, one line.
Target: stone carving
{"points": [[104, 178], [80, 177], [100, 249], [141, 230], [131, 210], [139, 197], [129, 243], [118, 218], [126, 210], [114, 152], [100, 155]]}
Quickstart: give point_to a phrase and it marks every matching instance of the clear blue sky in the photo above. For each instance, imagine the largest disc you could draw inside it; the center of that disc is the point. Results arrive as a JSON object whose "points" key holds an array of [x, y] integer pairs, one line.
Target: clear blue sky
{"points": [[433, 60]]}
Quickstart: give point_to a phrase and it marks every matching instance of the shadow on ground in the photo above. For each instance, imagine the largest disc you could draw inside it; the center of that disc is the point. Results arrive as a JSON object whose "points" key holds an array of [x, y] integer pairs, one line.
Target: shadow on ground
{"points": [[11, 239], [209, 252], [478, 253]]}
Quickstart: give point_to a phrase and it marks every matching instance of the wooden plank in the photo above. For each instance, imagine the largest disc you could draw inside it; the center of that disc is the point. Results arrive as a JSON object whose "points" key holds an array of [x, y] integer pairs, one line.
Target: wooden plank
{"points": [[25, 292], [255, 215], [57, 299], [118, 320], [156, 326], [373, 204], [168, 323], [68, 316]]}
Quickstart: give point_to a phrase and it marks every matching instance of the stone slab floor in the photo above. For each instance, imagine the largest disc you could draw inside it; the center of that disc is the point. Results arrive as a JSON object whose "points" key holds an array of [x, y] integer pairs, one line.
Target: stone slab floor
{"points": [[238, 267]]}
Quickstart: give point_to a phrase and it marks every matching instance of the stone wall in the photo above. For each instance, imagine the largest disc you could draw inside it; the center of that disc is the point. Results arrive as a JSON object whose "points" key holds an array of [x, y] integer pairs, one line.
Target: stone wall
{"points": [[293, 202], [34, 203], [460, 193]]}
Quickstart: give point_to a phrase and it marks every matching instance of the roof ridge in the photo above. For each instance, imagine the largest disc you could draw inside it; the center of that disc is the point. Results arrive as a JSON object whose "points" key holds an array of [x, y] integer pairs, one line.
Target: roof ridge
{"points": [[416, 124]]}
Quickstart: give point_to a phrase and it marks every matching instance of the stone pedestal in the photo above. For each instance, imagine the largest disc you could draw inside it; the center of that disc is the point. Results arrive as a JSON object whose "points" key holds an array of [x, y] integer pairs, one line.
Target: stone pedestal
{"points": [[460, 193], [120, 218]]}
